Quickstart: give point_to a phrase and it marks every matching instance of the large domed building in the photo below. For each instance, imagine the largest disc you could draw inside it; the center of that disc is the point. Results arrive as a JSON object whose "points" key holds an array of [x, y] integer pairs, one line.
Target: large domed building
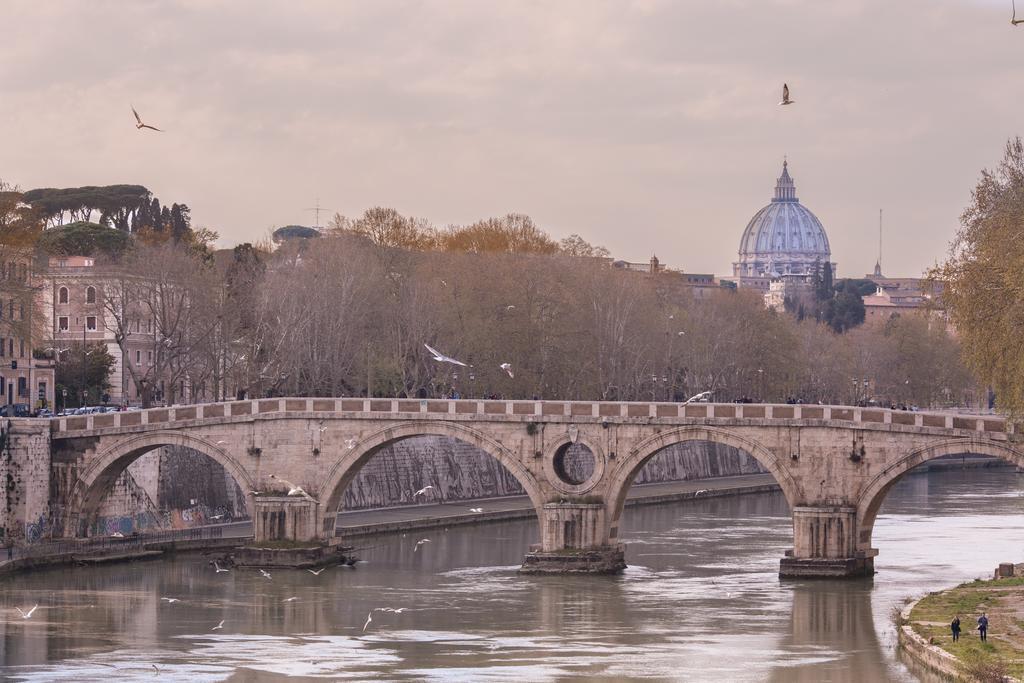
{"points": [[783, 240]]}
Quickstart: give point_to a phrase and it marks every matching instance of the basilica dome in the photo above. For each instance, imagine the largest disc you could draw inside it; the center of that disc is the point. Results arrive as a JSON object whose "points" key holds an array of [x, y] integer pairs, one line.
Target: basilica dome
{"points": [[783, 238]]}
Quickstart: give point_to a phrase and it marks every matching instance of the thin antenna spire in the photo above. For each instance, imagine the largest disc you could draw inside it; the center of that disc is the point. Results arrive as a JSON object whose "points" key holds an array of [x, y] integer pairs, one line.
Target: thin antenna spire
{"points": [[317, 209], [879, 238]]}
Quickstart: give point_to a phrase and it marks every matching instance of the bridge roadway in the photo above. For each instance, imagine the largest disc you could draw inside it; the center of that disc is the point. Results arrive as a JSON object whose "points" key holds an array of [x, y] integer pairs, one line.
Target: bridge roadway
{"points": [[834, 464]]}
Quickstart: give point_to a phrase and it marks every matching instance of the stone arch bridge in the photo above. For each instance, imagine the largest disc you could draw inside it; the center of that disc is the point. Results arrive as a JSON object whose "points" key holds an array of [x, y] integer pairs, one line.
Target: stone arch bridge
{"points": [[834, 464]]}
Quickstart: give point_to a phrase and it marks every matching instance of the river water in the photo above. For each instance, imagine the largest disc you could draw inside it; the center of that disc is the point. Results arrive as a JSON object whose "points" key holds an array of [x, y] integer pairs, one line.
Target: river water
{"points": [[701, 600]]}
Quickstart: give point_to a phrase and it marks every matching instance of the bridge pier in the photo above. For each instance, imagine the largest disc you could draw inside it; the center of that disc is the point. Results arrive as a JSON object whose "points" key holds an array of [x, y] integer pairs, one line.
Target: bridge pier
{"points": [[825, 544], [574, 539], [284, 518]]}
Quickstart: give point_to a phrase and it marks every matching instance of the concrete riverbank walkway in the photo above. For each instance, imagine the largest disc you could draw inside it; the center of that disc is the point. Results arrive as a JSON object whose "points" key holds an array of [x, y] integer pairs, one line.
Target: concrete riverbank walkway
{"points": [[396, 519]]}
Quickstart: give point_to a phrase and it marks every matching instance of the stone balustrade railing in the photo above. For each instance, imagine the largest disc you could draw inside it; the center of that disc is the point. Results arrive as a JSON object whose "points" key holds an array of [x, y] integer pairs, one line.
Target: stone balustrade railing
{"points": [[377, 408]]}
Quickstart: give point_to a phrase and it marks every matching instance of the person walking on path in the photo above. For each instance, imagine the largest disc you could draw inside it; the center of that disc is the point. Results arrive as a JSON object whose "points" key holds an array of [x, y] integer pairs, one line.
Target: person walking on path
{"points": [[983, 626], [954, 626]]}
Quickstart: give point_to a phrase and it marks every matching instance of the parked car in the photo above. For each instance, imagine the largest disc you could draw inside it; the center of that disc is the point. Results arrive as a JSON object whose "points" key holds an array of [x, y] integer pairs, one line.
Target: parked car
{"points": [[44, 412], [16, 410]]}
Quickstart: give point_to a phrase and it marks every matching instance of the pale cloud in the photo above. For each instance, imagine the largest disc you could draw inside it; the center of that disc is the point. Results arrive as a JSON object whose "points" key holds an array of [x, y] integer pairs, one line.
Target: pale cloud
{"points": [[649, 126]]}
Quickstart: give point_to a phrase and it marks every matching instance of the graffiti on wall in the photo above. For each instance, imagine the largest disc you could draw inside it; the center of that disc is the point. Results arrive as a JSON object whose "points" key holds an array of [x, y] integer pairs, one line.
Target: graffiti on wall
{"points": [[38, 530], [197, 515]]}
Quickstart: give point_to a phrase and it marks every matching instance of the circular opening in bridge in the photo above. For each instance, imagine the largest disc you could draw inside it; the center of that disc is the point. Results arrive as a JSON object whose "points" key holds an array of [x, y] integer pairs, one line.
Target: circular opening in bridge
{"points": [[574, 463]]}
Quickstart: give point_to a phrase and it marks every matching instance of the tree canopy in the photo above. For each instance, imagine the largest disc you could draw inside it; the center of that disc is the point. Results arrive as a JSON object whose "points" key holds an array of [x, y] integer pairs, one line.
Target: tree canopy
{"points": [[984, 290], [84, 239]]}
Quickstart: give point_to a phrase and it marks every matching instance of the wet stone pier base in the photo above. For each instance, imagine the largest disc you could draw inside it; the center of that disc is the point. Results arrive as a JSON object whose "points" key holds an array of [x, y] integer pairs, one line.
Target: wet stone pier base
{"points": [[826, 568], [296, 558], [607, 560]]}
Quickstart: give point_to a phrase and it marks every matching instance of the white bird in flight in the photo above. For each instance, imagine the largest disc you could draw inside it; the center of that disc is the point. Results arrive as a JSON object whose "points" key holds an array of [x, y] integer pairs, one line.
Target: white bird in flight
{"points": [[218, 569], [265, 573], [698, 397], [26, 615], [700, 492], [171, 600], [477, 510], [317, 572], [369, 618], [350, 443], [292, 599], [441, 358], [218, 626], [422, 491], [507, 367], [785, 95], [1014, 20], [140, 125], [420, 542]]}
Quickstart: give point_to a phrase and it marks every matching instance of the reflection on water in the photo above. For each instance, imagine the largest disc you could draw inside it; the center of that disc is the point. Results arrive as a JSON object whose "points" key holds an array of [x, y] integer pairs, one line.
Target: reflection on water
{"points": [[700, 601]]}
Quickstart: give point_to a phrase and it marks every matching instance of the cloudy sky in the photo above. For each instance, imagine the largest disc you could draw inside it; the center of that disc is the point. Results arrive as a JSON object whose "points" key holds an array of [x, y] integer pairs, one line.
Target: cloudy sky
{"points": [[648, 126]]}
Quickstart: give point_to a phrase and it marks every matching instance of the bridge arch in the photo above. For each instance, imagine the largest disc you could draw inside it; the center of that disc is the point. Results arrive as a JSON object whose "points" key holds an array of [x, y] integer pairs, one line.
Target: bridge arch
{"points": [[873, 495], [97, 478], [348, 466], [626, 469]]}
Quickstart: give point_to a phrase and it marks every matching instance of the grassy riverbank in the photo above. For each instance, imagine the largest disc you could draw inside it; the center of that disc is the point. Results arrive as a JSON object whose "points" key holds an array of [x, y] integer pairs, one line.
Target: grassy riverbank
{"points": [[1002, 600]]}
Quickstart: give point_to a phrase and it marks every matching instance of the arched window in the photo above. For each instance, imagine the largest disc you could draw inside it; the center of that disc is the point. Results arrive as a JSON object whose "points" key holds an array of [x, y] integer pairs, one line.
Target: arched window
{"points": [[62, 295], [90, 295]]}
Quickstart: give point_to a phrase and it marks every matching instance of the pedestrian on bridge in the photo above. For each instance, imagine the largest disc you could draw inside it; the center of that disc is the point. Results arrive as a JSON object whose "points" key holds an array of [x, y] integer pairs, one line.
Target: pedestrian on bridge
{"points": [[954, 626], [983, 627]]}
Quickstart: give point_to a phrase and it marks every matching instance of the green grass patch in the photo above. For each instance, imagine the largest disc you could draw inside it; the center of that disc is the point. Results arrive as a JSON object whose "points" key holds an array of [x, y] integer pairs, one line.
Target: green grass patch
{"points": [[1004, 649]]}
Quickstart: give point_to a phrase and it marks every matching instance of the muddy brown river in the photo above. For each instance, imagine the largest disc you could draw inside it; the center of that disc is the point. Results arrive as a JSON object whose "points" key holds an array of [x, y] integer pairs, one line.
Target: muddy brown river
{"points": [[700, 601]]}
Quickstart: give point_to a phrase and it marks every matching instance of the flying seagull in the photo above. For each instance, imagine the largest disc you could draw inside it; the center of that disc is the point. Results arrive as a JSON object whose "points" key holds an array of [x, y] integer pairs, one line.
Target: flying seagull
{"points": [[293, 599], [140, 125], [218, 626], [476, 510], [26, 615], [317, 572], [369, 618], [698, 397], [350, 443], [510, 307], [265, 573], [422, 491], [441, 358], [507, 367], [1014, 20], [420, 542], [785, 95], [700, 492], [171, 600], [218, 568]]}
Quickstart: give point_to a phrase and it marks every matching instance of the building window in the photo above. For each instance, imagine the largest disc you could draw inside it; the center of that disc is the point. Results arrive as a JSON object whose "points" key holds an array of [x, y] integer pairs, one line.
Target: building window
{"points": [[10, 347], [21, 348], [138, 357], [23, 387], [62, 295], [3, 347], [90, 295], [90, 323], [62, 324], [149, 357], [3, 385]]}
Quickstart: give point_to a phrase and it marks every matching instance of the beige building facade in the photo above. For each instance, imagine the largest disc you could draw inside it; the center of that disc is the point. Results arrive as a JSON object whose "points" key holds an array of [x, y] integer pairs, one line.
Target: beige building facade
{"points": [[74, 297], [24, 379]]}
